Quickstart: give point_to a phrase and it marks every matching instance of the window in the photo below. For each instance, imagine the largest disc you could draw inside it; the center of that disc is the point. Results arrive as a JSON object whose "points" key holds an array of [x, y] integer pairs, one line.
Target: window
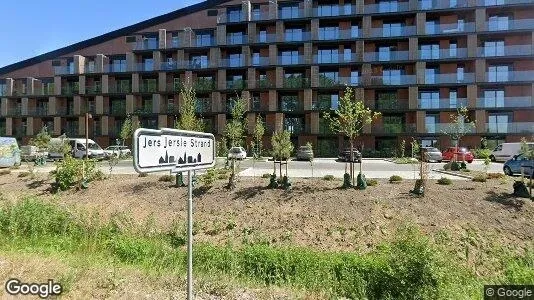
{"points": [[235, 38], [391, 76], [430, 51], [498, 123], [453, 49], [150, 85], [392, 124], [431, 26], [329, 33], [493, 2], [498, 23], [331, 76], [290, 57], [494, 98], [3, 90], [494, 48], [388, 6], [386, 100], [70, 67], [293, 34], [256, 59], [328, 56], [256, 104], [384, 53], [325, 10], [426, 4], [150, 42], [392, 29], [431, 123], [460, 74], [118, 65], [199, 61], [90, 66], [175, 40], [204, 39], [498, 73], [347, 54], [453, 99], [256, 12], [148, 64], [293, 125], [453, 3], [235, 60], [235, 14], [354, 31], [429, 99], [289, 103], [326, 101], [262, 37], [430, 75], [354, 77], [289, 11]]}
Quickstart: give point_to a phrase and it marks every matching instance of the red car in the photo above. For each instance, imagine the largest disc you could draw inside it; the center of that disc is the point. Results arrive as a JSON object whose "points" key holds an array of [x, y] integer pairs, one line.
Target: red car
{"points": [[461, 153]]}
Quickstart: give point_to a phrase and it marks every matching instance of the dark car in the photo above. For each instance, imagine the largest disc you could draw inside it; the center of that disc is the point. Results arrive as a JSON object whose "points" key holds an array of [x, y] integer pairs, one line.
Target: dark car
{"points": [[514, 165], [345, 155]]}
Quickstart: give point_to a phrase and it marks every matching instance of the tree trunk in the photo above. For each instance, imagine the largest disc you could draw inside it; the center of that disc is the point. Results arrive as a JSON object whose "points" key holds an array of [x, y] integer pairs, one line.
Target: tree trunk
{"points": [[352, 163]]}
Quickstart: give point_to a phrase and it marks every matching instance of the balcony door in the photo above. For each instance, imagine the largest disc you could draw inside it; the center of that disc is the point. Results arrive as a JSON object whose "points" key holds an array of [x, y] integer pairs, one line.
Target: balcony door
{"points": [[429, 99], [431, 123], [494, 48], [494, 98], [498, 123], [498, 73]]}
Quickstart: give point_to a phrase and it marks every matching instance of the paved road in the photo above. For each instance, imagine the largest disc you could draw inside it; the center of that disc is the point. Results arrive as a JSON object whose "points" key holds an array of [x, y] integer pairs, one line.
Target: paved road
{"points": [[373, 168]]}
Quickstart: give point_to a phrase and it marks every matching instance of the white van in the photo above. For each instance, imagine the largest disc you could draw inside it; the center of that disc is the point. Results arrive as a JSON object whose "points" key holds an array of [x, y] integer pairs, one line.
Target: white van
{"points": [[506, 151], [78, 149], [9, 152]]}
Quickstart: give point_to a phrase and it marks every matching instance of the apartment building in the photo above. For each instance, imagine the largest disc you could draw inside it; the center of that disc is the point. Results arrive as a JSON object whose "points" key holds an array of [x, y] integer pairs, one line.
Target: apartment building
{"points": [[415, 61]]}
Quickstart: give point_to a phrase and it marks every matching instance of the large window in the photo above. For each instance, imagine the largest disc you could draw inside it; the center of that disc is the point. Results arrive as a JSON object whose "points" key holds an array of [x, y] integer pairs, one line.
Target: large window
{"points": [[494, 98], [235, 14], [329, 33], [199, 61], [328, 56], [498, 73], [392, 29], [392, 124], [256, 59], [293, 125], [498, 123], [150, 42], [430, 51], [293, 34], [429, 99], [235, 38], [290, 57], [498, 23], [386, 100], [204, 39], [431, 122], [326, 101], [289, 11], [391, 76], [430, 75], [494, 48], [235, 60], [3, 90], [118, 65], [388, 5]]}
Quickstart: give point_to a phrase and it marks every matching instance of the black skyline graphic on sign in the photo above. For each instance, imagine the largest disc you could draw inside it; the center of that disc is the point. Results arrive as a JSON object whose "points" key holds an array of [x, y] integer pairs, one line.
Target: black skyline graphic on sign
{"points": [[181, 161]]}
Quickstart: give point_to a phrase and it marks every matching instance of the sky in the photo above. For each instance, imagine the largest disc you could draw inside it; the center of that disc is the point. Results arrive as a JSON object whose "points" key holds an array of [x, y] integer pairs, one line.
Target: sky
{"points": [[38, 27]]}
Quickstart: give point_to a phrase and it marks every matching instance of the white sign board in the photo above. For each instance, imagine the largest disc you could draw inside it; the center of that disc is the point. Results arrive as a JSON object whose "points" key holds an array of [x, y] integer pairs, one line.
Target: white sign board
{"points": [[172, 149]]}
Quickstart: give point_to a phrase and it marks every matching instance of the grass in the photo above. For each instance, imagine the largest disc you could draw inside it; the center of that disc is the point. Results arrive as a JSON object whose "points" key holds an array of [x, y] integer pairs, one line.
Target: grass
{"points": [[405, 160], [371, 182], [395, 179], [410, 267]]}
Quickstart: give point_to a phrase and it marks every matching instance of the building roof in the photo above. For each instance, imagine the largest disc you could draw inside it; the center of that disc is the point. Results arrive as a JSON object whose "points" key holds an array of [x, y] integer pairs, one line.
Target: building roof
{"points": [[112, 35]]}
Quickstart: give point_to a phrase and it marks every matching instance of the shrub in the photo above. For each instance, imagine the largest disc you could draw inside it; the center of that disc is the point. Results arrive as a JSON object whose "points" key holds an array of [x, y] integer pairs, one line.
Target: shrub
{"points": [[395, 179], [372, 182], [445, 181], [166, 178], [23, 174], [455, 166], [70, 172], [328, 177], [266, 175], [5, 172], [480, 178], [495, 175], [447, 166], [209, 177], [142, 175], [482, 153]]}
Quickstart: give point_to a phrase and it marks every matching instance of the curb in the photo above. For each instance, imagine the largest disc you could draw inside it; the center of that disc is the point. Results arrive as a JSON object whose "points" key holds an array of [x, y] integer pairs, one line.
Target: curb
{"points": [[452, 174]]}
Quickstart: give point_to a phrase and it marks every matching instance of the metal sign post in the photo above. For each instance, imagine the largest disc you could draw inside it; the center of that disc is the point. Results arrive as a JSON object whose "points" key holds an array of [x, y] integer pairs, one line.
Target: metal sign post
{"points": [[176, 151]]}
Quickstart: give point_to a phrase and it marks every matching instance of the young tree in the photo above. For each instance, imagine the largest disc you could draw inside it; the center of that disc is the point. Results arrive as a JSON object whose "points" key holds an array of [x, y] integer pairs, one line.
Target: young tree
{"points": [[42, 139], [459, 126], [348, 120], [128, 128], [235, 132], [259, 131], [282, 149]]}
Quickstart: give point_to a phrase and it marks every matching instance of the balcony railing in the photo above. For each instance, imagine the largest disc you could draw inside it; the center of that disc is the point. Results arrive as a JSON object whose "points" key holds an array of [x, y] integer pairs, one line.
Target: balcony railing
{"points": [[450, 78], [171, 65], [204, 85], [144, 67], [335, 58], [264, 84], [294, 37], [115, 68], [383, 104], [144, 111], [291, 60], [260, 61], [68, 89], [38, 111], [321, 104], [293, 14], [145, 87], [203, 106], [63, 70], [393, 80], [443, 53], [290, 106], [237, 40], [326, 82], [393, 32], [120, 88], [501, 2], [515, 76], [512, 50], [117, 110], [524, 101], [334, 10], [440, 4], [195, 64], [266, 38], [449, 28], [93, 89], [386, 7], [296, 82], [517, 127], [231, 63], [230, 18], [174, 87], [236, 84], [441, 128], [259, 16], [393, 128], [510, 25], [446, 103], [13, 111], [386, 56], [149, 44]]}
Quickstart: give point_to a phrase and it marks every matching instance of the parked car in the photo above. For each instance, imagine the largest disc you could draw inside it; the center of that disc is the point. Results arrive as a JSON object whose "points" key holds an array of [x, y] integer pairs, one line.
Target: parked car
{"points": [[513, 166], [461, 154], [118, 151], [9, 152], [78, 149], [431, 154], [237, 153], [345, 155], [506, 151], [304, 153]]}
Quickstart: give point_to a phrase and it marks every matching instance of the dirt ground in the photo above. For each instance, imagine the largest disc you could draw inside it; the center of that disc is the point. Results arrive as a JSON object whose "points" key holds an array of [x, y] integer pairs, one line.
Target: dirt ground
{"points": [[315, 213]]}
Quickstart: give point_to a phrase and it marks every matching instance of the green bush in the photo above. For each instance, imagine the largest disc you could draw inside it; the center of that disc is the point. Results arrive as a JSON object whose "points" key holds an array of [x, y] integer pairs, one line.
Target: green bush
{"points": [[70, 172], [166, 178], [208, 178], [395, 179], [480, 178], [266, 175], [445, 181], [328, 177], [372, 182], [455, 166], [5, 172], [447, 166], [482, 153]]}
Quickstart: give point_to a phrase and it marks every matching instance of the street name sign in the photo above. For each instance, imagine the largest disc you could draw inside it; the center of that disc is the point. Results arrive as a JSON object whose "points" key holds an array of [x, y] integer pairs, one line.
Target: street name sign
{"points": [[172, 150]]}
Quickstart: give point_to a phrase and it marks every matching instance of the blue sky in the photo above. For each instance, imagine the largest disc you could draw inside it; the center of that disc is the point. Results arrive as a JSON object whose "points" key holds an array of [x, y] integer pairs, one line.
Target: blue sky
{"points": [[38, 27]]}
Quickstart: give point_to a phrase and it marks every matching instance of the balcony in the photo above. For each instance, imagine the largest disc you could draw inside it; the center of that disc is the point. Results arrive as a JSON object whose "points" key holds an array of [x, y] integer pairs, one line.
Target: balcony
{"points": [[148, 87], [237, 39], [294, 128], [449, 28], [443, 103], [264, 84], [386, 7], [292, 13], [171, 65], [115, 68], [44, 90], [333, 10], [438, 4], [512, 50], [506, 102], [174, 87], [63, 70], [203, 41], [393, 128], [231, 63], [441, 128], [335, 58], [144, 111], [323, 104], [385, 56], [291, 60], [443, 53], [513, 76], [147, 44], [260, 61], [510, 25], [393, 80], [296, 83], [195, 64], [259, 15], [291, 106], [297, 37], [204, 85], [121, 88], [326, 82], [117, 110], [203, 106], [514, 127], [13, 111], [143, 67], [93, 89], [236, 84], [70, 89], [266, 38], [38, 111], [391, 105], [393, 32], [230, 18], [451, 78], [501, 2]]}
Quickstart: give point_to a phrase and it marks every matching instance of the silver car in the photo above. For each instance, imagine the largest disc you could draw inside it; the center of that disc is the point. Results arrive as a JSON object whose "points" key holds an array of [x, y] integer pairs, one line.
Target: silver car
{"points": [[431, 154]]}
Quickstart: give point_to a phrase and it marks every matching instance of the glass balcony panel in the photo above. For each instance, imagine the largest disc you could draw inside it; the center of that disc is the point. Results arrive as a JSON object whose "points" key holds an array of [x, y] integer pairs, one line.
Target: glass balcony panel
{"points": [[501, 102]]}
